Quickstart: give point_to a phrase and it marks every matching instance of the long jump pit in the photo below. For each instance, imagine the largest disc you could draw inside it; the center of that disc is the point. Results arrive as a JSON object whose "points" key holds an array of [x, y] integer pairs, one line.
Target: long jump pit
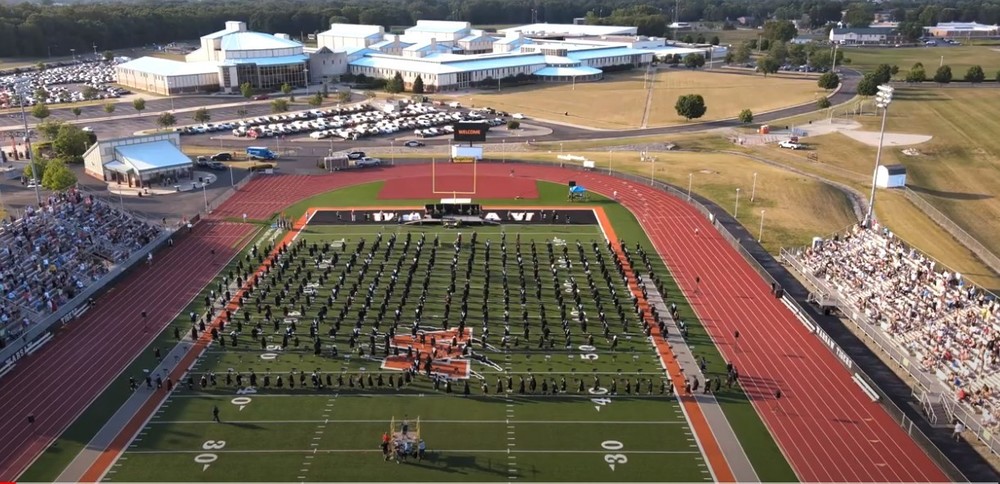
{"points": [[454, 179]]}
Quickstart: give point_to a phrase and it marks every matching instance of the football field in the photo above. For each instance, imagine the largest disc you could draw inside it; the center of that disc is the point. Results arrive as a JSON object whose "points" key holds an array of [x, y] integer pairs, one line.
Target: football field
{"points": [[551, 380]]}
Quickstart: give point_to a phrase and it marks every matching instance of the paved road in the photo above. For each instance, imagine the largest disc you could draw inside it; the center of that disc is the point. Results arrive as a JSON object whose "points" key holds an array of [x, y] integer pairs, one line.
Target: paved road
{"points": [[153, 107]]}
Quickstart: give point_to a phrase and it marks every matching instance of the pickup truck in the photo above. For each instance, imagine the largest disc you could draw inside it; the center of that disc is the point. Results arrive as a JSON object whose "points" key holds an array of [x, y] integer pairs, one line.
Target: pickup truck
{"points": [[790, 145]]}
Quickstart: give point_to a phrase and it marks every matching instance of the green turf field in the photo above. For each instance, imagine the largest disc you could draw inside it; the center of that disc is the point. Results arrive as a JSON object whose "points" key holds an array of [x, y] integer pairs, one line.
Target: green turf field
{"points": [[279, 434]]}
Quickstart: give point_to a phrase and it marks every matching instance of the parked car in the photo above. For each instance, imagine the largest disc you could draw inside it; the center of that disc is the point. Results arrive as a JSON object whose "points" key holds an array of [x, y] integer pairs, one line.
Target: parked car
{"points": [[260, 97], [356, 155], [202, 161], [366, 162], [33, 184], [789, 144], [224, 156], [519, 116], [217, 165], [413, 144]]}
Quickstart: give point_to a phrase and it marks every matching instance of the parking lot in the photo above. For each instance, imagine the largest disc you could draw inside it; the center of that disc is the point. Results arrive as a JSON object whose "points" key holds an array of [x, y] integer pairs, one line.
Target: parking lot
{"points": [[414, 120], [81, 81]]}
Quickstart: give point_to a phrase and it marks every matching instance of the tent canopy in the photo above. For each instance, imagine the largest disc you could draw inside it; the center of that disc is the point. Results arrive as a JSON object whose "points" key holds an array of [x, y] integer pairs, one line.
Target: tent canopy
{"points": [[577, 189]]}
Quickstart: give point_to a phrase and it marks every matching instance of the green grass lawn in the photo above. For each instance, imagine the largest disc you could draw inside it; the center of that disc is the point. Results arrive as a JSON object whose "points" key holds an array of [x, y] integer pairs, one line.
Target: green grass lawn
{"points": [[960, 58], [274, 434]]}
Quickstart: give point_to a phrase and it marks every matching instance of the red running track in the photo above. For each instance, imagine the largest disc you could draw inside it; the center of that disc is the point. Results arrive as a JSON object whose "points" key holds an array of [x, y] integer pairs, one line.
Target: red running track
{"points": [[58, 382], [827, 428]]}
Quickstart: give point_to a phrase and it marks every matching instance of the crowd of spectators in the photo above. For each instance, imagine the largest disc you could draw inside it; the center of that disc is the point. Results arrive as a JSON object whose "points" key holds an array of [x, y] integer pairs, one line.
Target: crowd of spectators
{"points": [[51, 253], [947, 324]]}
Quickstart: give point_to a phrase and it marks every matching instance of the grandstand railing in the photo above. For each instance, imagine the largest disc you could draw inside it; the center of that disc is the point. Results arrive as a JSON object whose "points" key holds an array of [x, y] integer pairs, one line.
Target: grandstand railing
{"points": [[928, 382], [715, 213], [64, 314]]}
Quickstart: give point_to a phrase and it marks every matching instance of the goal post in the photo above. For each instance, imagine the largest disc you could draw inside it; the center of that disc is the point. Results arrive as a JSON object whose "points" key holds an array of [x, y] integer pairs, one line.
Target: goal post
{"points": [[438, 189]]}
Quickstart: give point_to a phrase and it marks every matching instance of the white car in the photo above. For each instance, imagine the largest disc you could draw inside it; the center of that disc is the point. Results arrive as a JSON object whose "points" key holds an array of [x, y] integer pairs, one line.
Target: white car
{"points": [[790, 145], [33, 184], [519, 116], [366, 161]]}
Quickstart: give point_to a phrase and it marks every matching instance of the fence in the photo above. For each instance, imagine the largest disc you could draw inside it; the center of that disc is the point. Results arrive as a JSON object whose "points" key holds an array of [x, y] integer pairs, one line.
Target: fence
{"points": [[960, 234], [746, 246], [928, 383]]}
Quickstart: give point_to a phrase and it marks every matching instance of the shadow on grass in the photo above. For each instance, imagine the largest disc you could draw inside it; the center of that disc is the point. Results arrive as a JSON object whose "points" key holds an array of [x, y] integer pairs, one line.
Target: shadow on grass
{"points": [[950, 195]]}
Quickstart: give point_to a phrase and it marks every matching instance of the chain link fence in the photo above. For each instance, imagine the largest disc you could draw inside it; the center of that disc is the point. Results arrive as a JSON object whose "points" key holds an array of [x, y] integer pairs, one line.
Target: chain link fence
{"points": [[963, 237]]}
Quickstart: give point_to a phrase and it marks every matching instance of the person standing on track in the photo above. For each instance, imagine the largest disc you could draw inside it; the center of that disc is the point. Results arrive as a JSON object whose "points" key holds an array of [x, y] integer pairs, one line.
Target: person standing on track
{"points": [[215, 414]]}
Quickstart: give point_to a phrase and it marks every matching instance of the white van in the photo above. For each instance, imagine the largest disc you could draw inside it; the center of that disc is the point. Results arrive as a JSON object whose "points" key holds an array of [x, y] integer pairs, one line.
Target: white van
{"points": [[454, 104]]}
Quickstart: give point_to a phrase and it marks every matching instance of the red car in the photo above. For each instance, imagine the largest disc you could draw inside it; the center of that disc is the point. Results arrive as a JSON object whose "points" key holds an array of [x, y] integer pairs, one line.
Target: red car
{"points": [[260, 97]]}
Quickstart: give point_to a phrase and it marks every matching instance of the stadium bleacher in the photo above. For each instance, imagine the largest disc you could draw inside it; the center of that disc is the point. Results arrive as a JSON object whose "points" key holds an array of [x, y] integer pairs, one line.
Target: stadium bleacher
{"points": [[947, 324], [51, 253]]}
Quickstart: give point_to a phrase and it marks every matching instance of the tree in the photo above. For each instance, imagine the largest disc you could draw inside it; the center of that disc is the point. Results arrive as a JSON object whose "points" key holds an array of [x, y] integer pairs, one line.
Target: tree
{"points": [[286, 89], [76, 112], [975, 75], [742, 54], [279, 106], [166, 120], [418, 85], [109, 107], [40, 111], [89, 92], [829, 80], [395, 85], [916, 75], [241, 112], [765, 44], [868, 85], [38, 165], [57, 176], [513, 124], [694, 61], [139, 104], [691, 106], [246, 90], [729, 58], [344, 95], [369, 95], [688, 39], [768, 65], [108, 56], [41, 94], [859, 15], [714, 40], [780, 30], [201, 115], [316, 100], [700, 39], [998, 76], [823, 103], [943, 75], [746, 116], [70, 143], [49, 129], [883, 73]]}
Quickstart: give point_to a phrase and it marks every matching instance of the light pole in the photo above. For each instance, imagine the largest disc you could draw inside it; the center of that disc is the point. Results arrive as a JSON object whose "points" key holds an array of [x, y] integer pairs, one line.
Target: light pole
{"points": [[205, 193], [95, 50], [690, 181], [736, 211], [882, 100], [753, 191], [560, 149], [306, 71], [232, 180], [760, 234], [73, 52], [392, 151], [20, 86], [503, 146], [652, 170], [609, 161]]}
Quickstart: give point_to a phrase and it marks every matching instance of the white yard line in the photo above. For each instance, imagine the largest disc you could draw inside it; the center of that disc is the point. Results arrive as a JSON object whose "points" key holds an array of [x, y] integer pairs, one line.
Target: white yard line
{"points": [[456, 422], [456, 451]]}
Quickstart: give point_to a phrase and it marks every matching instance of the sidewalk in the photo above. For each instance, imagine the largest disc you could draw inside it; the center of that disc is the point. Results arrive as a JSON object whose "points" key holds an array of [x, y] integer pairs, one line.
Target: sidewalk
{"points": [[735, 455]]}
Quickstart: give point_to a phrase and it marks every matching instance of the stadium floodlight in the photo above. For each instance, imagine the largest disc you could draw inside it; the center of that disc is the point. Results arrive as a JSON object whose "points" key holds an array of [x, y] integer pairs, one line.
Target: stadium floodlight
{"points": [[21, 86], [882, 99]]}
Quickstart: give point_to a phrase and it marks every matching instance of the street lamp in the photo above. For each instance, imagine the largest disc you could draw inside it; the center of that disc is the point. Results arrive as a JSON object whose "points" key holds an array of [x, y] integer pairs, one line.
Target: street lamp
{"points": [[690, 180], [205, 193], [503, 146], [20, 86], [609, 161], [882, 100], [392, 151], [232, 180], [736, 211], [306, 70], [753, 191], [73, 51], [760, 234], [652, 169]]}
